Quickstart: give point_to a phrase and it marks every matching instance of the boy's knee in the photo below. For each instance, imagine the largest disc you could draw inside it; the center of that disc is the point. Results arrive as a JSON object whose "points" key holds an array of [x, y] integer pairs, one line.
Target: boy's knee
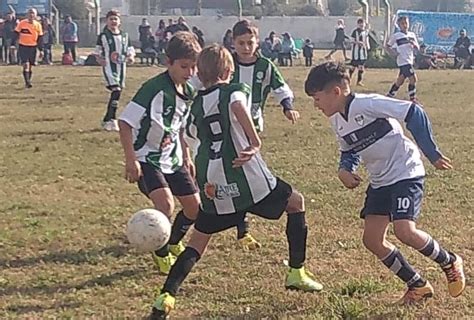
{"points": [[404, 233], [295, 203]]}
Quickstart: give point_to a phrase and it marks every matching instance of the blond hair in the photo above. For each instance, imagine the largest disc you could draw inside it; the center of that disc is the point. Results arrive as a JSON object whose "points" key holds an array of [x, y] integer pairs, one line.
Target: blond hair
{"points": [[213, 63]]}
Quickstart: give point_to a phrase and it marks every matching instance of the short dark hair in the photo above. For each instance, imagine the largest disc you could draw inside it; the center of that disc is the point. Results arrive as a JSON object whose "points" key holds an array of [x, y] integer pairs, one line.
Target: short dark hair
{"points": [[244, 27], [183, 45], [324, 74], [360, 20], [112, 13], [402, 18]]}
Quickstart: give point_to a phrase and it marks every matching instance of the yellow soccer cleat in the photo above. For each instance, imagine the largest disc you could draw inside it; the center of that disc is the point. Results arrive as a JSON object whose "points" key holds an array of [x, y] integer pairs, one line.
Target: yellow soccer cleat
{"points": [[164, 264], [162, 306], [248, 243], [299, 279], [177, 249], [415, 295], [455, 276]]}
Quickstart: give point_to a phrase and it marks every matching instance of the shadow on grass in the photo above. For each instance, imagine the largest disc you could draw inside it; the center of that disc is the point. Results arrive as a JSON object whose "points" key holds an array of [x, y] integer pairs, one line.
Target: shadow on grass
{"points": [[24, 309], [100, 281], [69, 257]]}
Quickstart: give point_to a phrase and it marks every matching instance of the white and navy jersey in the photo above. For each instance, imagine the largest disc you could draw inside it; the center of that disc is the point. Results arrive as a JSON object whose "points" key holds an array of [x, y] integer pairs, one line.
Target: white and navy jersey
{"points": [[360, 51], [157, 113], [404, 44], [114, 48], [263, 77], [370, 128], [216, 138]]}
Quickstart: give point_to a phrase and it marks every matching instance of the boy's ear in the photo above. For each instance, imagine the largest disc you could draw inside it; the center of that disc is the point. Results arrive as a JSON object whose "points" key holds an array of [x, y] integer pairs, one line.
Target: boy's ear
{"points": [[168, 62]]}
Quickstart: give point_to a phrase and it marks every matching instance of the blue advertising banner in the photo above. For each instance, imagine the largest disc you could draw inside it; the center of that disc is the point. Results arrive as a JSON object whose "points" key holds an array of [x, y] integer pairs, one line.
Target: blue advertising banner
{"points": [[438, 30], [22, 6]]}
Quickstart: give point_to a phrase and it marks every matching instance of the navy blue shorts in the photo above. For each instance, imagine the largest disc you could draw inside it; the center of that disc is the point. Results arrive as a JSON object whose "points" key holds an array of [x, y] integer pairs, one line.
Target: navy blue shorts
{"points": [[399, 201], [407, 70], [357, 63]]}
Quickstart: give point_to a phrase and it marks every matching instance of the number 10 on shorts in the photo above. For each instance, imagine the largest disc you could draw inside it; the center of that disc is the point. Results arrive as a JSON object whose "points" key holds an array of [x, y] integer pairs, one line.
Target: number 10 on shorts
{"points": [[403, 203]]}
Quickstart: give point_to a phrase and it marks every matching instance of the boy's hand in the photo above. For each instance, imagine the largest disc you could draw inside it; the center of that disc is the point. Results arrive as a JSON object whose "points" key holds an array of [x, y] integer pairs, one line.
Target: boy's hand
{"points": [[292, 115], [349, 180], [133, 171], [188, 164], [244, 156], [443, 163]]}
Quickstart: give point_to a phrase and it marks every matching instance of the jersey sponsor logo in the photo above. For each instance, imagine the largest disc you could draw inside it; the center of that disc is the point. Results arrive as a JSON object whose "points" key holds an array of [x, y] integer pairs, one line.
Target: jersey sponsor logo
{"points": [[219, 192], [259, 76], [359, 119]]}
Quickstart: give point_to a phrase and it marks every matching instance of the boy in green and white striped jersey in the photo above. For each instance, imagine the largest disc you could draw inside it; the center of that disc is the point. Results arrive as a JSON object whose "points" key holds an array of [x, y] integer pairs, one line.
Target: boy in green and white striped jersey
{"points": [[232, 176], [113, 52], [263, 77], [151, 128]]}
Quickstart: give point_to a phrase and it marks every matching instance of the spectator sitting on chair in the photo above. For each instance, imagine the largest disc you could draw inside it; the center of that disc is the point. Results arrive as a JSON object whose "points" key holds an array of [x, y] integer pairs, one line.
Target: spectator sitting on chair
{"points": [[424, 61], [70, 37], [461, 50], [149, 51], [308, 53], [287, 49], [267, 50]]}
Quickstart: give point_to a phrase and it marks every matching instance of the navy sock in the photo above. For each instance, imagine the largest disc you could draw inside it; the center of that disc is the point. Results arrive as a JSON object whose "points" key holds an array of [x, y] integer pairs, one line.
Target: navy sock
{"points": [[296, 233], [243, 227], [412, 91], [180, 270], [112, 106], [393, 90], [435, 252], [359, 75], [402, 269], [163, 251]]}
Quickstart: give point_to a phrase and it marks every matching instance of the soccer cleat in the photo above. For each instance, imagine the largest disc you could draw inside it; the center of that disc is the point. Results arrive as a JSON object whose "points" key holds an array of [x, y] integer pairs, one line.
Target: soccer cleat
{"points": [[360, 84], [111, 125], [455, 276], [164, 264], [28, 85], [248, 243], [162, 306], [416, 295], [299, 279], [177, 249]]}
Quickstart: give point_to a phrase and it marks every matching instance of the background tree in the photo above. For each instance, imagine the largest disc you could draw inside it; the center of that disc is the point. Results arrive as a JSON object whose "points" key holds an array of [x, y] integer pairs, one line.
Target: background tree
{"points": [[75, 8]]}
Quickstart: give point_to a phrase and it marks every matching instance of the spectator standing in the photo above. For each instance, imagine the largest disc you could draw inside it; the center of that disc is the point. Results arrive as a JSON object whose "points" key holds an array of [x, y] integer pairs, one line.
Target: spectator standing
{"points": [[49, 35], [144, 33], [308, 53], [10, 43], [70, 37], [461, 49], [287, 49], [160, 34], [3, 57]]}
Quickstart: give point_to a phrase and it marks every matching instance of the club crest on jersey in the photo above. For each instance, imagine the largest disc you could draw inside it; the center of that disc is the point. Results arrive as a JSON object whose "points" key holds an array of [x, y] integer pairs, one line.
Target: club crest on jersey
{"points": [[219, 192], [259, 76], [359, 119]]}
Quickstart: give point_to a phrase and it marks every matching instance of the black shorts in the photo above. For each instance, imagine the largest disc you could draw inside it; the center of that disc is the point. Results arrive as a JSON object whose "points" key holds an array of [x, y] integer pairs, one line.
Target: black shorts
{"points": [[27, 54], [399, 201], [181, 183], [271, 208], [356, 63], [407, 70]]}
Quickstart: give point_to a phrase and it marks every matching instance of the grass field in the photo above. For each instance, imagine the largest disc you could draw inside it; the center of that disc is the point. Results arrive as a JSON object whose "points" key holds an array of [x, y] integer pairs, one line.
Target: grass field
{"points": [[64, 204]]}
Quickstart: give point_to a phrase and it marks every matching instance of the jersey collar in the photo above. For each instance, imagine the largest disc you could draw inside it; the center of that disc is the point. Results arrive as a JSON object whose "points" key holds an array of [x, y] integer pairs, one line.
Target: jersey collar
{"points": [[350, 98], [186, 96], [210, 89], [236, 59]]}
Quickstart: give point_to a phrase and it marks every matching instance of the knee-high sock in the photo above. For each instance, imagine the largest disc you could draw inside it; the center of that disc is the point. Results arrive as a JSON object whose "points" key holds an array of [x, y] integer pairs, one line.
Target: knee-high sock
{"points": [[296, 233]]}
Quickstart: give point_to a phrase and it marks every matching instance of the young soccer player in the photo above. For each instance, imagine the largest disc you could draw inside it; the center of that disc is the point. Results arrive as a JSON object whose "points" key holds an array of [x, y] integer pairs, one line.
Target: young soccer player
{"points": [[151, 129], [29, 33], [360, 50], [232, 176], [368, 129], [113, 51], [262, 76], [406, 43]]}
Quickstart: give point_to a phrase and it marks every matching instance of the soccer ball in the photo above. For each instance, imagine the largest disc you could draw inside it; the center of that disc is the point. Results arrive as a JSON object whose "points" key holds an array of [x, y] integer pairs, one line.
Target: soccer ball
{"points": [[148, 230]]}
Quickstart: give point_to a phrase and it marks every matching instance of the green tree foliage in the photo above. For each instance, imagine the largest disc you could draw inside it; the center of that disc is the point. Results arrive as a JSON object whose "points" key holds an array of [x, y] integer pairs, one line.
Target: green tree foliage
{"points": [[75, 8], [338, 7]]}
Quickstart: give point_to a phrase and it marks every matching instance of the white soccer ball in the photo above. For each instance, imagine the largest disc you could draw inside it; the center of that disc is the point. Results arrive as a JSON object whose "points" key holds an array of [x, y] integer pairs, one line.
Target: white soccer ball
{"points": [[148, 230]]}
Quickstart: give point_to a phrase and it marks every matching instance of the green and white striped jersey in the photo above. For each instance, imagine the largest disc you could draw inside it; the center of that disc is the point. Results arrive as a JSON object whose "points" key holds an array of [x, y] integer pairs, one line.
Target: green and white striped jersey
{"points": [[216, 138], [157, 113], [114, 48], [262, 76]]}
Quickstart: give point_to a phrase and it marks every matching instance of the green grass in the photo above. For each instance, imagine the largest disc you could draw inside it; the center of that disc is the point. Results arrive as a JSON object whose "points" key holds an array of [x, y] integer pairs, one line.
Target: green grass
{"points": [[64, 204]]}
